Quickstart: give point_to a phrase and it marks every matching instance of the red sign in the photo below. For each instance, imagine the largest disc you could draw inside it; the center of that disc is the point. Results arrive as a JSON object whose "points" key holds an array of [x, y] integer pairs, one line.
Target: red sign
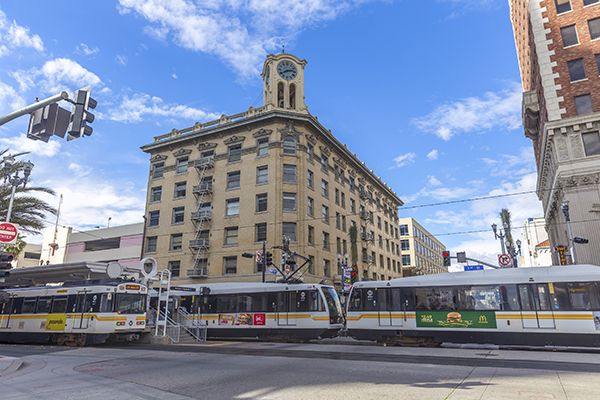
{"points": [[504, 260], [8, 233], [259, 319]]}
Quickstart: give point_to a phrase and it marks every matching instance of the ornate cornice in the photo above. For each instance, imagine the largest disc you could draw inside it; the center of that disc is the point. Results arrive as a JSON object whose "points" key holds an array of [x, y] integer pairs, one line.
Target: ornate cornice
{"points": [[325, 150], [340, 162], [234, 139], [311, 138], [206, 146], [158, 157], [289, 129], [352, 172], [181, 152], [262, 132]]}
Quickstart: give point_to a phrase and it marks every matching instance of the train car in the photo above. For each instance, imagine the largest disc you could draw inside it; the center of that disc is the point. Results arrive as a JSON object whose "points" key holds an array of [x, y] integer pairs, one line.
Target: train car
{"points": [[554, 306], [263, 310], [74, 314]]}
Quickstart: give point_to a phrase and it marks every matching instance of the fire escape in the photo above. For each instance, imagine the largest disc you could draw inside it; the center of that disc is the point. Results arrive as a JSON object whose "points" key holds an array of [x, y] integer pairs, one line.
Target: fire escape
{"points": [[202, 217]]}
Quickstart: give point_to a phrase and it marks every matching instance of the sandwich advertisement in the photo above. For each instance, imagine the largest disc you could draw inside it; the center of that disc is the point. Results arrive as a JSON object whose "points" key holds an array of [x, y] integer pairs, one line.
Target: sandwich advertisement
{"points": [[456, 319]]}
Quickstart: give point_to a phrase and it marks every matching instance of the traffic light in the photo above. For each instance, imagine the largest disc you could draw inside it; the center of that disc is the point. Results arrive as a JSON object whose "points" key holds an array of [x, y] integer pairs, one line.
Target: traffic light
{"points": [[5, 260], [269, 257], [446, 255], [48, 121], [80, 116], [353, 276]]}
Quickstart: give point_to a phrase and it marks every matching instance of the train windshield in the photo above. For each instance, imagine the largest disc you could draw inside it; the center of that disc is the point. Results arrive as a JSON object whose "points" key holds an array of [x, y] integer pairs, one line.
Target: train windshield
{"points": [[131, 303], [333, 304]]}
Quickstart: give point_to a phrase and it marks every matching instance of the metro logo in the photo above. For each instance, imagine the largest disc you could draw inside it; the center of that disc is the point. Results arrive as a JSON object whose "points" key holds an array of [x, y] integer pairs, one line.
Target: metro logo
{"points": [[259, 319]]}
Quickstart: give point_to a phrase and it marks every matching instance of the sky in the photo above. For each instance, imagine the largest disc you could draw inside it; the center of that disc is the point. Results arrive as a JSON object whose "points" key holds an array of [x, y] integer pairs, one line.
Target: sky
{"points": [[427, 93]]}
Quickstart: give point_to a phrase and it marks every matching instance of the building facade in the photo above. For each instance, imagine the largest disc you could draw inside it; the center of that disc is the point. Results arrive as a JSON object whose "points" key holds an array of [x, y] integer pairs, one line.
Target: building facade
{"points": [[535, 250], [558, 47], [221, 188], [122, 244], [29, 257], [421, 251]]}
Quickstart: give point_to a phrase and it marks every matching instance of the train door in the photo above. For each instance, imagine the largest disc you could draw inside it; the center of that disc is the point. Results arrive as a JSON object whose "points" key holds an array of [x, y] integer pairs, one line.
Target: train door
{"points": [[535, 301], [402, 301], [82, 319], [5, 312], [286, 303], [384, 306]]}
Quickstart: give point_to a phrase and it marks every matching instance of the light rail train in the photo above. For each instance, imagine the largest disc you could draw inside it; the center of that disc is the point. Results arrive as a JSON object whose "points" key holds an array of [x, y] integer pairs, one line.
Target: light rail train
{"points": [[557, 306], [263, 310], [73, 313]]}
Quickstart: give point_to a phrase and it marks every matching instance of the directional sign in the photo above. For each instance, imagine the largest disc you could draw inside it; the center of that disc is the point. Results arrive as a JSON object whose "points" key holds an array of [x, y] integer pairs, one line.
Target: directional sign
{"points": [[473, 267], [504, 260], [8, 233], [273, 271]]}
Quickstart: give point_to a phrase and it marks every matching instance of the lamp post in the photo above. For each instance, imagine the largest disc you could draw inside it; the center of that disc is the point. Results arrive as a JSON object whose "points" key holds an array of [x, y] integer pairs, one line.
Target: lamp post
{"points": [[498, 234], [565, 209], [15, 179]]}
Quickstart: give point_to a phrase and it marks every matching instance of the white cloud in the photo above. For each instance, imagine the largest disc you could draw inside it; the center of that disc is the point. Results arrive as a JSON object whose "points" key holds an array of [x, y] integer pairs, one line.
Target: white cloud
{"points": [[21, 143], [512, 164], [121, 59], [174, 75], [433, 181], [404, 159], [14, 36], [10, 100], [57, 75], [433, 154], [500, 110], [86, 50], [238, 32], [139, 105]]}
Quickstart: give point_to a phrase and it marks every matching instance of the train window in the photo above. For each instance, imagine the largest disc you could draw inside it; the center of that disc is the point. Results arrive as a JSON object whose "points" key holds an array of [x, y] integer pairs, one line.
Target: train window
{"points": [[17, 305], [382, 299], [72, 303], [106, 302], [260, 302], [510, 298], [355, 303], [92, 302], [59, 305], [560, 296], [543, 297], [130, 303], [43, 305], [28, 306], [437, 298], [244, 303], [370, 299], [6, 306], [584, 296], [479, 298], [226, 303], [307, 300], [407, 297], [526, 300]]}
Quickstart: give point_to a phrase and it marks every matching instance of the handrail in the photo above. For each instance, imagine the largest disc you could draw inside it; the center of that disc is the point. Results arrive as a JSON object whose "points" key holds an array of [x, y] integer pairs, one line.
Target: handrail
{"points": [[194, 326]]}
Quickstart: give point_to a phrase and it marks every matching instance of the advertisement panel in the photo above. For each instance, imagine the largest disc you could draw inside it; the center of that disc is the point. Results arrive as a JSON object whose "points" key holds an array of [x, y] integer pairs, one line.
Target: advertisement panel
{"points": [[456, 319], [56, 322]]}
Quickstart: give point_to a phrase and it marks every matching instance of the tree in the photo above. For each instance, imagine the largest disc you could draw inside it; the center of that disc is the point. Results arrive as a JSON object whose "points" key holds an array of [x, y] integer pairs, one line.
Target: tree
{"points": [[506, 224], [29, 211], [16, 249]]}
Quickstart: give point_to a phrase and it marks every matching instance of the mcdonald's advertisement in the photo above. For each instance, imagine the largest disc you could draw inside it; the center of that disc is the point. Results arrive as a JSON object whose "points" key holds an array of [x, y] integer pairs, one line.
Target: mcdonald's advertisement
{"points": [[456, 319]]}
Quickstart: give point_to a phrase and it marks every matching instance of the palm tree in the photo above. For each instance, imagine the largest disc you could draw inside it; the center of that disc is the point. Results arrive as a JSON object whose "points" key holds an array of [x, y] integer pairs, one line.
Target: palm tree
{"points": [[506, 224], [29, 211]]}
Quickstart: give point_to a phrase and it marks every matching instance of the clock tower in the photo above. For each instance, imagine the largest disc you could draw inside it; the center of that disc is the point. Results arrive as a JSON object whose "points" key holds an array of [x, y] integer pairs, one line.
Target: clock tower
{"points": [[283, 77]]}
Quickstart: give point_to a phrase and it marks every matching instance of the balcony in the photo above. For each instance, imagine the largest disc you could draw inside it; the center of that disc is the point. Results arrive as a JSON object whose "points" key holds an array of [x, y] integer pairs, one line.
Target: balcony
{"points": [[200, 272], [366, 215], [203, 188], [367, 259], [367, 237], [199, 243], [205, 162], [202, 215], [364, 195]]}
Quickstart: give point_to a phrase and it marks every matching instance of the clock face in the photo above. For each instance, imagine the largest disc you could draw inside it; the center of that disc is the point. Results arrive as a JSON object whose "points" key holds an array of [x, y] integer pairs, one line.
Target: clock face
{"points": [[287, 70]]}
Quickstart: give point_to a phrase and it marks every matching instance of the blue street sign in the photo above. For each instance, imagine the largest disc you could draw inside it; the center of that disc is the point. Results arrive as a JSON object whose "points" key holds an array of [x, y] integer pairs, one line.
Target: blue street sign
{"points": [[473, 267], [273, 271]]}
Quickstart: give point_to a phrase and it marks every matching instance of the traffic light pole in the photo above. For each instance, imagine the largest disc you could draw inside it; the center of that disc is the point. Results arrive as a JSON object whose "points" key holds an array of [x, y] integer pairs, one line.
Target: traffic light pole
{"points": [[264, 261], [33, 107]]}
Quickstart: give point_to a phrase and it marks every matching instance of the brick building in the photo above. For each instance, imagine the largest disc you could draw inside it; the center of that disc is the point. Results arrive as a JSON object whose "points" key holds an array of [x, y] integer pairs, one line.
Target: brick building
{"points": [[558, 48]]}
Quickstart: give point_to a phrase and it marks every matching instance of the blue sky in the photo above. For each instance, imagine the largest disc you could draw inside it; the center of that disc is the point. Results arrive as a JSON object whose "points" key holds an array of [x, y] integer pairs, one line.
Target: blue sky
{"points": [[426, 92]]}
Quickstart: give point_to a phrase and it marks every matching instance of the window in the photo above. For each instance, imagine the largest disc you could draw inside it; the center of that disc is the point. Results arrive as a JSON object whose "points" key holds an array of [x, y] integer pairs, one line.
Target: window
{"points": [[598, 61], [176, 242], [352, 206], [182, 165], [178, 215], [233, 180], [405, 244], [232, 207], [343, 200], [583, 104], [289, 173], [289, 145], [311, 264], [324, 188], [155, 193], [336, 197], [584, 296], [310, 179], [174, 267], [179, 190], [310, 151], [158, 169], [576, 69], [311, 235], [289, 201], [435, 298], [338, 246], [151, 244], [262, 147], [569, 35], [562, 6], [261, 202], [325, 241], [590, 2], [235, 153], [102, 244], [338, 221], [43, 305], [594, 26], [262, 175], [351, 183], [153, 218], [325, 214], [230, 265], [231, 236], [479, 298], [260, 232], [405, 259], [324, 163], [326, 267], [404, 230], [591, 143], [310, 207], [289, 230], [344, 223]]}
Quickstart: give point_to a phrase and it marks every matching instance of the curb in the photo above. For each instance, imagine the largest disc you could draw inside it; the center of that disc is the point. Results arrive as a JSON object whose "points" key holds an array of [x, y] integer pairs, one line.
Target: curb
{"points": [[13, 367]]}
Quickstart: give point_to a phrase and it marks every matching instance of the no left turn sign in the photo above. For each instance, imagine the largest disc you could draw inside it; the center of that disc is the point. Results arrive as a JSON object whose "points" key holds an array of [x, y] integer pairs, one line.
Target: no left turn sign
{"points": [[504, 260]]}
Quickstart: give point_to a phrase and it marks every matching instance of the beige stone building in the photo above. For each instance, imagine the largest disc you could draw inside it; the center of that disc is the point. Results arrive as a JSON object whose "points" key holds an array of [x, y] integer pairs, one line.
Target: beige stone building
{"points": [[220, 188], [421, 251]]}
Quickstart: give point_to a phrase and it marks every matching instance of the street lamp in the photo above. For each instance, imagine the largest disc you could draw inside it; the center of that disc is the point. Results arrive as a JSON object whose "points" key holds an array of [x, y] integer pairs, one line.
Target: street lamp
{"points": [[15, 180], [498, 234]]}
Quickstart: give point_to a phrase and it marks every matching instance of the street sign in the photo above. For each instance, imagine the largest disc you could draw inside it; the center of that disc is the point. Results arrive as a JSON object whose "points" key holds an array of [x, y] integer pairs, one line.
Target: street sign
{"points": [[8, 233], [473, 267], [504, 260], [273, 271], [259, 257], [461, 257]]}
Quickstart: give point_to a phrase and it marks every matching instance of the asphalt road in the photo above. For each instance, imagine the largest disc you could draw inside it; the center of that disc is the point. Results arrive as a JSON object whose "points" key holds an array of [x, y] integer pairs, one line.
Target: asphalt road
{"points": [[255, 371]]}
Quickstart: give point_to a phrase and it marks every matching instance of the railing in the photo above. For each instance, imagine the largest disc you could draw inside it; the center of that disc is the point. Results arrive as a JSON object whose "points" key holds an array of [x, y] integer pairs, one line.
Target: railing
{"points": [[199, 243], [173, 329], [197, 329], [367, 259], [366, 215], [205, 162], [367, 237], [203, 188], [202, 215], [200, 272]]}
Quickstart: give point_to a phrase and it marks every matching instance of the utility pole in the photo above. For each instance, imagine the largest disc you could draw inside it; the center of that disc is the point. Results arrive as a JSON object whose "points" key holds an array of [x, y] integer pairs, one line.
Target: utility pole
{"points": [[565, 209], [15, 179], [264, 261]]}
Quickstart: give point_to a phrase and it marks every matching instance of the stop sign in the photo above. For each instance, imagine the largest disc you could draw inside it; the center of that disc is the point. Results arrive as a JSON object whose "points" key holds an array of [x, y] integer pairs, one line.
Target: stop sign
{"points": [[8, 233]]}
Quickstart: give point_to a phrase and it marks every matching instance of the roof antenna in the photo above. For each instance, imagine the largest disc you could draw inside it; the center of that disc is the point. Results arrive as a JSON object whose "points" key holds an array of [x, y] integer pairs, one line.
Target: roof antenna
{"points": [[283, 48]]}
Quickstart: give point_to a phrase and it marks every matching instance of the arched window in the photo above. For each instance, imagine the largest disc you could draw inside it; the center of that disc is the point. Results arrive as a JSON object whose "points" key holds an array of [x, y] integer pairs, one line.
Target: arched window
{"points": [[289, 145], [280, 101], [293, 96]]}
